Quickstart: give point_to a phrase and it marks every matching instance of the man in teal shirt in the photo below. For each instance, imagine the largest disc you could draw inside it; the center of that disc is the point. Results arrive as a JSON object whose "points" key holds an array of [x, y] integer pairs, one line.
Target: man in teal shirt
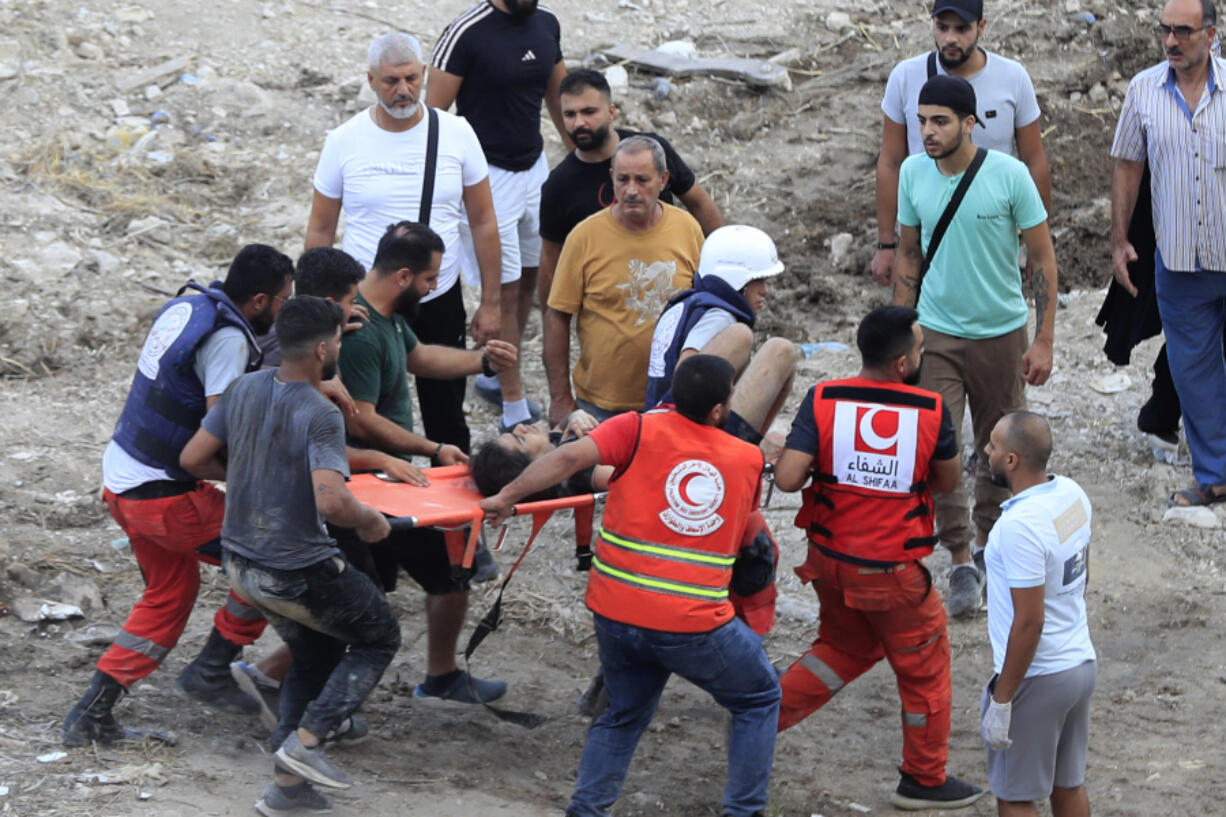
{"points": [[375, 364], [972, 306]]}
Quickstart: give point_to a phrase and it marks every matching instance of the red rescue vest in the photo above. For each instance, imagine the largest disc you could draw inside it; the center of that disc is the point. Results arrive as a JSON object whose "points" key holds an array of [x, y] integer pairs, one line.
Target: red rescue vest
{"points": [[673, 525], [869, 502]]}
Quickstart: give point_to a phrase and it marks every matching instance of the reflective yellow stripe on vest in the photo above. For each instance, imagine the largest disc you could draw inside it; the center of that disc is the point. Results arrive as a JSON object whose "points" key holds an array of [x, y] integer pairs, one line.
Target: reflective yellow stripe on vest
{"points": [[669, 552], [673, 588]]}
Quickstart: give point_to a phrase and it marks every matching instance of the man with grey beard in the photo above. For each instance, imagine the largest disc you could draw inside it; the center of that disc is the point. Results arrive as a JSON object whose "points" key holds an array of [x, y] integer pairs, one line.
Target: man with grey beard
{"points": [[373, 167]]}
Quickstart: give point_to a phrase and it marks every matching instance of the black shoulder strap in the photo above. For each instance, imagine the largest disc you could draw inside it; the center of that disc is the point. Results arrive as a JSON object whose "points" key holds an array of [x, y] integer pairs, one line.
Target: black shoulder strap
{"points": [[427, 182], [948, 215], [932, 64]]}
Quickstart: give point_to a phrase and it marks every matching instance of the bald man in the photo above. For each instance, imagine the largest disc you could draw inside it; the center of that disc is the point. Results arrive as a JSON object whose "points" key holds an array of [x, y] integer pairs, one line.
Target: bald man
{"points": [[1045, 667]]}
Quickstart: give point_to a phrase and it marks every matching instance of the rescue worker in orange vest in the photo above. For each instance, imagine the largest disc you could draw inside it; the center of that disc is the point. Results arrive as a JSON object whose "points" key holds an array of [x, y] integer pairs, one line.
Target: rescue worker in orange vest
{"points": [[876, 446], [680, 498]]}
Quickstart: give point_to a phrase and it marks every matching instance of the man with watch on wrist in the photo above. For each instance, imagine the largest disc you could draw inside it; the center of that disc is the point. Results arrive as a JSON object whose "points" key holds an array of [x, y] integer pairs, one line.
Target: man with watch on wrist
{"points": [[972, 304], [1035, 711], [375, 364]]}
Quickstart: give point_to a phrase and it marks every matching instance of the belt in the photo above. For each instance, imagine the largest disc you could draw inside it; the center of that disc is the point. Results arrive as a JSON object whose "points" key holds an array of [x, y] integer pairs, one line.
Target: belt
{"points": [[896, 568], [159, 489]]}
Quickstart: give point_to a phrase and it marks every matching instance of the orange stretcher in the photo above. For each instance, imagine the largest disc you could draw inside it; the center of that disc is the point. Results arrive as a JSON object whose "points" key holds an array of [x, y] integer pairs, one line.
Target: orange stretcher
{"points": [[450, 503]]}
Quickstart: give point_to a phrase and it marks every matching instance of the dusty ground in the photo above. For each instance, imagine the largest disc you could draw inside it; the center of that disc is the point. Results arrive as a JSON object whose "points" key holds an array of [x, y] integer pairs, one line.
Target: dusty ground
{"points": [[100, 224]]}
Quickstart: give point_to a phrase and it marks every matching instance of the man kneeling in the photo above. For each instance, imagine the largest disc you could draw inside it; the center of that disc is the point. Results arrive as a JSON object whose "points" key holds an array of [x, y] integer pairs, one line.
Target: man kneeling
{"points": [[679, 502]]}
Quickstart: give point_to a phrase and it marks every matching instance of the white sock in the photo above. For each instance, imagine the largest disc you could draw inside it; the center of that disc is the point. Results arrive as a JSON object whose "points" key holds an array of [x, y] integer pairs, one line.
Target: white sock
{"points": [[515, 412], [487, 382]]}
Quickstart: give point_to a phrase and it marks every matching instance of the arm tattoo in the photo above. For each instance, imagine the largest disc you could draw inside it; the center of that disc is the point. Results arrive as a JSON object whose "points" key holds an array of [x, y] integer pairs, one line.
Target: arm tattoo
{"points": [[1041, 299]]}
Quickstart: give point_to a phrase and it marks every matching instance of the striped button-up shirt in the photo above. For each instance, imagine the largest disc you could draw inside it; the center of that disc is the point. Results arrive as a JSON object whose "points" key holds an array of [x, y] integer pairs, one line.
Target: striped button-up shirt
{"points": [[1186, 149]]}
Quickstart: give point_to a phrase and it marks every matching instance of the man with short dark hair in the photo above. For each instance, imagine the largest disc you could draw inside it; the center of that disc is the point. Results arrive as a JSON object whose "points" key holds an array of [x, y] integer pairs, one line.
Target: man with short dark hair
{"points": [[875, 446], [659, 584], [1008, 118], [972, 304], [285, 469], [580, 186], [618, 270], [1174, 116], [198, 344], [1035, 710], [498, 61], [375, 363]]}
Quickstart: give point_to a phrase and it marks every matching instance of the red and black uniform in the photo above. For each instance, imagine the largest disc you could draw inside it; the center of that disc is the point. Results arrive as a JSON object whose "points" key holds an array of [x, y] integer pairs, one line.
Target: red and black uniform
{"points": [[673, 523], [868, 517]]}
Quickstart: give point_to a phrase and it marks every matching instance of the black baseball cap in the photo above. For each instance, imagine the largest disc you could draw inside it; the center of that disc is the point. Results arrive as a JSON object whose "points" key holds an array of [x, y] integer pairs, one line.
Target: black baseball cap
{"points": [[950, 92], [969, 10]]}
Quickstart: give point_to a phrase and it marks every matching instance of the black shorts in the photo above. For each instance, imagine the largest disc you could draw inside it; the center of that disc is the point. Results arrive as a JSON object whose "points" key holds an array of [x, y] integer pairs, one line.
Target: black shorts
{"points": [[422, 552]]}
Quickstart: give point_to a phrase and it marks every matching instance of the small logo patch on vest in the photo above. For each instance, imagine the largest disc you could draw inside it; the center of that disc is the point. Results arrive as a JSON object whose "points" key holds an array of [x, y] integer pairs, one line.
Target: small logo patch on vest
{"points": [[165, 332], [875, 446], [694, 490]]}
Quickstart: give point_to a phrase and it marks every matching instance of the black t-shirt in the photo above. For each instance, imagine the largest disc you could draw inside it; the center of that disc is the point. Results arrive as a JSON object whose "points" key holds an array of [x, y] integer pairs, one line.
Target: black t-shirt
{"points": [[804, 436], [575, 189], [505, 63]]}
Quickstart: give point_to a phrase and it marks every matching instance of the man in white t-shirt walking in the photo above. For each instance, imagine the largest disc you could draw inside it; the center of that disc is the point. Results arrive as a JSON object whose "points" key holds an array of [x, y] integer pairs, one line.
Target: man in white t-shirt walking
{"points": [[372, 166], [1008, 112], [1035, 711]]}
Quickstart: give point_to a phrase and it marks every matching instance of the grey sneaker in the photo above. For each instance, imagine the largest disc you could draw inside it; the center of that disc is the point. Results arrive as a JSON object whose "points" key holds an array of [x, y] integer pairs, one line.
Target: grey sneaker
{"points": [[485, 569], [301, 798], [953, 793], [249, 680], [458, 691], [965, 590], [352, 731], [312, 764]]}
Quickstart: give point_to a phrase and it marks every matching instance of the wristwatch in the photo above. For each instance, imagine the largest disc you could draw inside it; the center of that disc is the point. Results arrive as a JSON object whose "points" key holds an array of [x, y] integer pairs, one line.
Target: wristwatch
{"points": [[887, 245]]}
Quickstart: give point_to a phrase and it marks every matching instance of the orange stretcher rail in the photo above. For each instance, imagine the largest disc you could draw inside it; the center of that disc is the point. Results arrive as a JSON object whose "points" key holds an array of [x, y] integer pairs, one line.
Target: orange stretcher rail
{"points": [[451, 503]]}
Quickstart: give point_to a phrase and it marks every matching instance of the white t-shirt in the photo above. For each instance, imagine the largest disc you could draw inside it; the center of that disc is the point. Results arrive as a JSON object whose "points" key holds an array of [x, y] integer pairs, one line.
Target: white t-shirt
{"points": [[377, 175], [219, 360], [1003, 92], [714, 321], [1042, 538]]}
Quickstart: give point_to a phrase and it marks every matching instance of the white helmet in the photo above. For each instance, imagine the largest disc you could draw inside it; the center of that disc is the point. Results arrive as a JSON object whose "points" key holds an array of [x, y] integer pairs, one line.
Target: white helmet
{"points": [[738, 254]]}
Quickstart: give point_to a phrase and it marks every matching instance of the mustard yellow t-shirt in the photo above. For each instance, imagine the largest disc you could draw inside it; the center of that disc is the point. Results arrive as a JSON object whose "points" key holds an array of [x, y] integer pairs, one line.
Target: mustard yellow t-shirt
{"points": [[617, 283]]}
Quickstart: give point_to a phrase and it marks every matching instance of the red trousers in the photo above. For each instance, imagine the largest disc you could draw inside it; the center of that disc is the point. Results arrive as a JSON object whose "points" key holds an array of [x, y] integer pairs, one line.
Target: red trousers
{"points": [[868, 614], [164, 534]]}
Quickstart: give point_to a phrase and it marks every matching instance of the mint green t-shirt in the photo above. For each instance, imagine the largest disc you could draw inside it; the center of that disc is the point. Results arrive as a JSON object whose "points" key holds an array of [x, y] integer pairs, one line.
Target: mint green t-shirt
{"points": [[374, 365], [973, 288]]}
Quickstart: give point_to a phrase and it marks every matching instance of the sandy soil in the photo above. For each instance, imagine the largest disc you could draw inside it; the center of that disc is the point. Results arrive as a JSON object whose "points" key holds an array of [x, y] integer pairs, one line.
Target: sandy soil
{"points": [[96, 233]]}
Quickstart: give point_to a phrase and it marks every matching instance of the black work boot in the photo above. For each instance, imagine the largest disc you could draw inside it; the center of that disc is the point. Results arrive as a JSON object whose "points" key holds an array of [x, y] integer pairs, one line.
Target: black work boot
{"points": [[208, 678], [91, 719]]}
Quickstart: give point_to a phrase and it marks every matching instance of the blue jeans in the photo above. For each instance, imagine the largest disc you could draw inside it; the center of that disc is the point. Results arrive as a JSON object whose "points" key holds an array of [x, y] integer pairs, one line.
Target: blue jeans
{"points": [[1193, 310], [727, 662], [339, 629]]}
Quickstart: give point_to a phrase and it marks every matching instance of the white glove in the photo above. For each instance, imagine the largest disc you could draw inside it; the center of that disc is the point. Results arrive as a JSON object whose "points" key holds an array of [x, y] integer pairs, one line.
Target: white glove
{"points": [[994, 726]]}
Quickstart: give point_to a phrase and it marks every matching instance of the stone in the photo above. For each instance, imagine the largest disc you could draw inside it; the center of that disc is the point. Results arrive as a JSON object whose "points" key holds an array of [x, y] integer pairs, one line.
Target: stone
{"points": [[840, 249], [745, 125], [617, 77], [150, 228], [58, 256], [89, 51], [22, 574], [152, 92], [119, 107], [837, 21], [1197, 516], [1098, 94], [75, 590]]}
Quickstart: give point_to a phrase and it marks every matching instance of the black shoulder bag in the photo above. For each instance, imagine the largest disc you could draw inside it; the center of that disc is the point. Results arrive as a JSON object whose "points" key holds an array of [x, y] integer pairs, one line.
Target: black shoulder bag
{"points": [[948, 215]]}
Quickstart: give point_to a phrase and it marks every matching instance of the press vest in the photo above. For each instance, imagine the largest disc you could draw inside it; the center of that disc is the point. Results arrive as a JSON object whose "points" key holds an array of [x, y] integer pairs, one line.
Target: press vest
{"points": [[166, 402], [707, 292], [673, 524], [868, 502]]}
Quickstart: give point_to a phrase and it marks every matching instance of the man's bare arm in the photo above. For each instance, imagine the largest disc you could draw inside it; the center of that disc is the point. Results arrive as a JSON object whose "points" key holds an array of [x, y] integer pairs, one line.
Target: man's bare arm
{"points": [[446, 362], [792, 469], [557, 364], [201, 457], [703, 208], [1125, 186], [907, 267], [441, 88], [553, 102], [376, 431], [483, 224], [1030, 152], [1024, 634], [338, 506], [550, 252], [889, 160], [321, 224]]}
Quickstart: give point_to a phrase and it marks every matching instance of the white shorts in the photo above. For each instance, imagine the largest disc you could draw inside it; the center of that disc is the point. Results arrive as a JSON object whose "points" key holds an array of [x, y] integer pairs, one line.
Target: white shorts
{"points": [[517, 203]]}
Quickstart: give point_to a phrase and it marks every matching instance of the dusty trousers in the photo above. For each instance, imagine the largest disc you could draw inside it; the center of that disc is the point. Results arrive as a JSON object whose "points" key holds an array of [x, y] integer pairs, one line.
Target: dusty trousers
{"points": [[870, 613], [165, 534]]}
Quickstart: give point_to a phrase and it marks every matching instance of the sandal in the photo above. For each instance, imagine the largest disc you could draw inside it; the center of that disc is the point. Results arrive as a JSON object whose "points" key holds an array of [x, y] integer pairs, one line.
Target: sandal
{"points": [[1201, 495]]}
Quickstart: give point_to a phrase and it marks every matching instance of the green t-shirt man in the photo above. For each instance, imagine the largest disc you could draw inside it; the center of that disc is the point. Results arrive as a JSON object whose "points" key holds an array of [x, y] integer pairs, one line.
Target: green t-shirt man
{"points": [[973, 289], [374, 365]]}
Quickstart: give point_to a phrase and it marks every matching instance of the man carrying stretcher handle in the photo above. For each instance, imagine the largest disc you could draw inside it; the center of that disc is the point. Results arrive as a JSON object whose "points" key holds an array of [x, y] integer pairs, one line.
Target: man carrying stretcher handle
{"points": [[680, 499]]}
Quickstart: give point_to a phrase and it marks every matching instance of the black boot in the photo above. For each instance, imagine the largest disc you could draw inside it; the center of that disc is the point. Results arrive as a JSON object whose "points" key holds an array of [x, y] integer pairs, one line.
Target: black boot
{"points": [[208, 679], [91, 719]]}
